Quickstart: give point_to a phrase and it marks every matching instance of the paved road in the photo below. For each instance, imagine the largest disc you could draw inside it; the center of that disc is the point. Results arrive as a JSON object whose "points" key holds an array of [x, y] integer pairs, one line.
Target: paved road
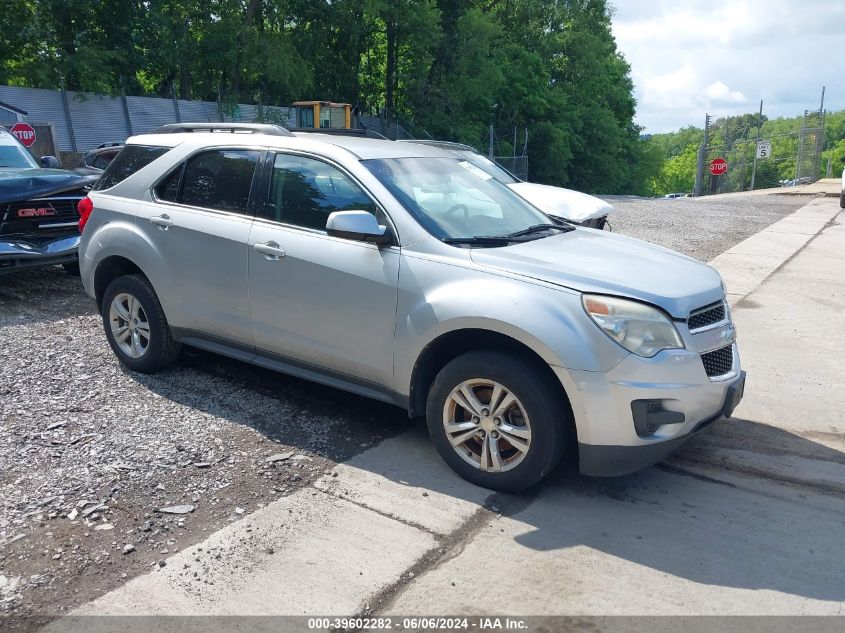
{"points": [[746, 519]]}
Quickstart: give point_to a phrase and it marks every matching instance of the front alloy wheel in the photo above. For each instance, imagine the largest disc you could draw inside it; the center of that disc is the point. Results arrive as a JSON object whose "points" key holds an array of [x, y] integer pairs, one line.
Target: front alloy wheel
{"points": [[487, 425], [129, 325], [499, 420]]}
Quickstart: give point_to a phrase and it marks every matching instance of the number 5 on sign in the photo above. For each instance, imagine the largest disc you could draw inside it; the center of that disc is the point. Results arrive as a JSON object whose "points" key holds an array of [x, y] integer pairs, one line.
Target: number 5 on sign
{"points": [[764, 149]]}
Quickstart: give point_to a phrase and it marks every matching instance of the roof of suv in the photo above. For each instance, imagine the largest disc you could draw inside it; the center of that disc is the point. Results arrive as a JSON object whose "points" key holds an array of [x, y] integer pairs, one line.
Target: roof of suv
{"points": [[362, 147]]}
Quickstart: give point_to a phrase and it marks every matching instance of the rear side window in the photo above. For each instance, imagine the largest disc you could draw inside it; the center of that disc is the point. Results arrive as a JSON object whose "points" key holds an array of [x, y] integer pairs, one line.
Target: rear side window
{"points": [[218, 179], [168, 189], [130, 159]]}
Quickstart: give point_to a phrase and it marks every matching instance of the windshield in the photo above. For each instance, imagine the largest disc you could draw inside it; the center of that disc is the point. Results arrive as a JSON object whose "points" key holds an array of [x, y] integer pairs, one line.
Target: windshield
{"points": [[452, 198], [16, 157], [482, 162]]}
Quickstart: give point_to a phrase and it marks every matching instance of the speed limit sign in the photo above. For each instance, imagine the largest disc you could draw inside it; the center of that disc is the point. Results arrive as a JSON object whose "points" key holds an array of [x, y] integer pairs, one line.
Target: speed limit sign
{"points": [[764, 149]]}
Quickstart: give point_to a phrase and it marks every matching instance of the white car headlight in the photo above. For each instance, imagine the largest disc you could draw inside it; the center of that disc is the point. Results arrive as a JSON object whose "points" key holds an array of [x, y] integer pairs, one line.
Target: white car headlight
{"points": [[637, 327]]}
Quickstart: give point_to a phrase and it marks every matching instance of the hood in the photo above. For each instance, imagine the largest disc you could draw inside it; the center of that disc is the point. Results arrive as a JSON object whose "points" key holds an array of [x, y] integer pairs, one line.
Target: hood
{"points": [[602, 262], [572, 205], [24, 184]]}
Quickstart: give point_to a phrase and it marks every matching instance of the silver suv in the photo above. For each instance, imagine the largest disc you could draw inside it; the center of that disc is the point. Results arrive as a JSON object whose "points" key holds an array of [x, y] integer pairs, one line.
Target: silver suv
{"points": [[400, 272]]}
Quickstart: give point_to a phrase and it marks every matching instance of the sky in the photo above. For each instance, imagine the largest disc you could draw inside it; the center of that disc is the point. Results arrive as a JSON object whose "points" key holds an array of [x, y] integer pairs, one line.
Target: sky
{"points": [[691, 57]]}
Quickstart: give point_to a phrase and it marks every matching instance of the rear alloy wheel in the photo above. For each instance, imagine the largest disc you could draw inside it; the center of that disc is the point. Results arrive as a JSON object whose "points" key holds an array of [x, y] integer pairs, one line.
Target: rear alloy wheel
{"points": [[129, 325], [135, 325], [497, 420]]}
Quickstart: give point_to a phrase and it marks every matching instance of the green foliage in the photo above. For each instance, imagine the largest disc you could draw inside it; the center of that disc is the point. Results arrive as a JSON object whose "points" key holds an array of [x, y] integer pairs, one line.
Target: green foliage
{"points": [[735, 139], [449, 67], [677, 174]]}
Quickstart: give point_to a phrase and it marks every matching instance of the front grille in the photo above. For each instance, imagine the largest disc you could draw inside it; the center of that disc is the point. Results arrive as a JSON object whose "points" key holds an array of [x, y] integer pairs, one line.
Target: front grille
{"points": [[39, 216], [706, 316], [718, 362]]}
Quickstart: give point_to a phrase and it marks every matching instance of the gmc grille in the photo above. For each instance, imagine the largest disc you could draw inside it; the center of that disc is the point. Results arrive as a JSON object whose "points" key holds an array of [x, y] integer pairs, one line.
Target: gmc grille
{"points": [[718, 362], [39, 216], [708, 315]]}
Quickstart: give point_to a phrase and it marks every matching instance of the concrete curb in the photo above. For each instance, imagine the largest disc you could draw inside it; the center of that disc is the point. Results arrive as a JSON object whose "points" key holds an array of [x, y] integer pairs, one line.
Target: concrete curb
{"points": [[748, 264], [332, 548]]}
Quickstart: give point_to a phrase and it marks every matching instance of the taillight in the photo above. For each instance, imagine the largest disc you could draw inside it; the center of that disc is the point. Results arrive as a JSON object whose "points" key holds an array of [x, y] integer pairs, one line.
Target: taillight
{"points": [[85, 207]]}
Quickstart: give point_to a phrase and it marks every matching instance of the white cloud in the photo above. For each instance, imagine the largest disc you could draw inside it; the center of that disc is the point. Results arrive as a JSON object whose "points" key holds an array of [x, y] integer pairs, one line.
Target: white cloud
{"points": [[691, 57], [717, 92]]}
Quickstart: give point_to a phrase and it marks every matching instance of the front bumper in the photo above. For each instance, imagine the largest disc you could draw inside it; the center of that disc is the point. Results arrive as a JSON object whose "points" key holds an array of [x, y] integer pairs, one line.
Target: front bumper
{"points": [[16, 254], [612, 461], [612, 442]]}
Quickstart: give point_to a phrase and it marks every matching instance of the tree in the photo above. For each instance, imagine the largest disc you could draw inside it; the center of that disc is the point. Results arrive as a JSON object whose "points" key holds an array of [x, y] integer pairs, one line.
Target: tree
{"points": [[448, 68]]}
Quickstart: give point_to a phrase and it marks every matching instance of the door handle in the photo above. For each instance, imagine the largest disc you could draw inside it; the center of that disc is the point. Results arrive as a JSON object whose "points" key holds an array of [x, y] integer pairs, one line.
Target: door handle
{"points": [[271, 251], [162, 221]]}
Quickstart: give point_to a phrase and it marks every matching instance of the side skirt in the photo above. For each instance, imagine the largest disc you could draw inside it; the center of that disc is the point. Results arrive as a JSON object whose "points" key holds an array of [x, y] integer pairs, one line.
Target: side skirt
{"points": [[285, 365]]}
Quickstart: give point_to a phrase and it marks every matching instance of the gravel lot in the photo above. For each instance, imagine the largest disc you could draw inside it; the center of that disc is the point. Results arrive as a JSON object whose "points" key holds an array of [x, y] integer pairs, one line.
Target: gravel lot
{"points": [[91, 455], [700, 227]]}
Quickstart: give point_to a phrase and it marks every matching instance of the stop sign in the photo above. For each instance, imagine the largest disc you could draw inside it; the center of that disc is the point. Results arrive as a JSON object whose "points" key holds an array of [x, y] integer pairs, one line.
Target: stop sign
{"points": [[718, 166], [25, 133]]}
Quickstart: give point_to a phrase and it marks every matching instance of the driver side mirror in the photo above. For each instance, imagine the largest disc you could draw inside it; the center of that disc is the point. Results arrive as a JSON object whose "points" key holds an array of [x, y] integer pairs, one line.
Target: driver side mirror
{"points": [[50, 162], [357, 225]]}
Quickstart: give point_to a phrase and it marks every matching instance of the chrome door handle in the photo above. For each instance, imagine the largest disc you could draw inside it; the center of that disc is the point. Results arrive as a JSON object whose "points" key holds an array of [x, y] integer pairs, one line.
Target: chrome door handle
{"points": [[162, 221], [271, 251]]}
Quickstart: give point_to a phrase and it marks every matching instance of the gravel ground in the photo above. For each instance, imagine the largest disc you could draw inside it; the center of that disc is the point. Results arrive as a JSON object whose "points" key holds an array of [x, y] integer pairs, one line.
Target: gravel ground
{"points": [[699, 227], [91, 455]]}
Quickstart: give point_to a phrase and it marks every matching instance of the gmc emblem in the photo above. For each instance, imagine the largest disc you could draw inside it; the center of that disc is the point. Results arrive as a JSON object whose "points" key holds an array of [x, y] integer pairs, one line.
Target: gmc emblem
{"points": [[40, 212]]}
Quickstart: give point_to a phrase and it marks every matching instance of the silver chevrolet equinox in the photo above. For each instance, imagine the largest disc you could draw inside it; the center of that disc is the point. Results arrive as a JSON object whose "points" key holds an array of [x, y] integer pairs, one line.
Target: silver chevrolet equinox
{"points": [[403, 273]]}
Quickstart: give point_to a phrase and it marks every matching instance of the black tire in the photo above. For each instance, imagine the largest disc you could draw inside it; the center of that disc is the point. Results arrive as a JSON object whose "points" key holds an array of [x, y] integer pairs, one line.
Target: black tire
{"points": [[72, 268], [161, 349], [842, 200], [547, 410]]}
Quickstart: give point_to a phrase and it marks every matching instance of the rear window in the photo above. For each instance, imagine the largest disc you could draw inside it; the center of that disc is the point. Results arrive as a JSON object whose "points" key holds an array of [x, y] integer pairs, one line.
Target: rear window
{"points": [[130, 159]]}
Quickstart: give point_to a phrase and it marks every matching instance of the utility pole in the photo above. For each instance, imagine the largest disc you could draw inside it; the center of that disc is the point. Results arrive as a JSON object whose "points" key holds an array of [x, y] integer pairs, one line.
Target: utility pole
{"points": [[490, 143], [702, 156], [817, 159], [754, 166], [800, 148]]}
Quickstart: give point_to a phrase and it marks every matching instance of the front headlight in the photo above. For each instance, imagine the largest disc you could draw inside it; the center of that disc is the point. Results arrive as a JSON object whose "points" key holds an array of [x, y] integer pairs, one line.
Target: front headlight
{"points": [[637, 327]]}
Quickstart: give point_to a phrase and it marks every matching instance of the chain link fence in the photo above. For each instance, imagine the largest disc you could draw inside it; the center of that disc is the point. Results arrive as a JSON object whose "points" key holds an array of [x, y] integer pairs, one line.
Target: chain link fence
{"points": [[509, 148], [787, 158]]}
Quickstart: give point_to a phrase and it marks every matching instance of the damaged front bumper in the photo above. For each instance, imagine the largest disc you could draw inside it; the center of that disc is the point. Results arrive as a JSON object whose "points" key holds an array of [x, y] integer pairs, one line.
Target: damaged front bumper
{"points": [[16, 254]]}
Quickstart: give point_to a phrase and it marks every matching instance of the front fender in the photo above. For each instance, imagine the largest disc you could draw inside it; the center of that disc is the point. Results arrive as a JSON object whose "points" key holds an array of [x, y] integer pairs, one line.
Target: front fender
{"points": [[436, 298]]}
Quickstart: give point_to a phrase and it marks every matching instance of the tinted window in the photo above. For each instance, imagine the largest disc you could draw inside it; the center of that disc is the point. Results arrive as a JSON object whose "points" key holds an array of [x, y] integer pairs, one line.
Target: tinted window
{"points": [[102, 161], [304, 191], [130, 159], [168, 188], [219, 179]]}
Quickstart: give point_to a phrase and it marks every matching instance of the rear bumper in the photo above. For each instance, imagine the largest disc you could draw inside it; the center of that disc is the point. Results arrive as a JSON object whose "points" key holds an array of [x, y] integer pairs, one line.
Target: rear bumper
{"points": [[16, 254]]}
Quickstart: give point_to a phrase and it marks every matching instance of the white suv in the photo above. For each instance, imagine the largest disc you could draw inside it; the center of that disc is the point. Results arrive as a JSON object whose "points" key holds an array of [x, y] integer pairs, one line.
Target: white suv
{"points": [[404, 273]]}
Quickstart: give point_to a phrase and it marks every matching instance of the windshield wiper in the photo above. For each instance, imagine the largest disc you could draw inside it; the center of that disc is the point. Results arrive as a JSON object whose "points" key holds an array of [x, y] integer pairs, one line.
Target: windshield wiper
{"points": [[481, 240], [541, 227]]}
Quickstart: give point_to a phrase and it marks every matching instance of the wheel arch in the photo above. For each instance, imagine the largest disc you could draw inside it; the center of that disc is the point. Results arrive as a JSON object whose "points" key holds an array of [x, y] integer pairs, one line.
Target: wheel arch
{"points": [[450, 345], [111, 268]]}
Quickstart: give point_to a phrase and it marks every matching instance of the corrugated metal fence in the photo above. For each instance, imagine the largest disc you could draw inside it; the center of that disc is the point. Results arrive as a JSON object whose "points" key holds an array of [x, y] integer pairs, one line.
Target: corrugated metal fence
{"points": [[84, 120]]}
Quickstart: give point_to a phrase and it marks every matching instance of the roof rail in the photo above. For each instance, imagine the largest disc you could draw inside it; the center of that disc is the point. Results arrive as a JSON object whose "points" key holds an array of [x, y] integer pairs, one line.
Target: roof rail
{"points": [[235, 128], [442, 144], [342, 131]]}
